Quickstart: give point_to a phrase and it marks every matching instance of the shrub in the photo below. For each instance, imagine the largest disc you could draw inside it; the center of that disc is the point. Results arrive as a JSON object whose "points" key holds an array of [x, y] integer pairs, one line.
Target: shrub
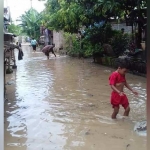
{"points": [[99, 34], [120, 42], [71, 44], [89, 49], [93, 40]]}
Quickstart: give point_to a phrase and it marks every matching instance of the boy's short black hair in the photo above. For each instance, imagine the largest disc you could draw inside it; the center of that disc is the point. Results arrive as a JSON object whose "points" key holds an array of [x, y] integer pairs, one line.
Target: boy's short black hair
{"points": [[122, 63]]}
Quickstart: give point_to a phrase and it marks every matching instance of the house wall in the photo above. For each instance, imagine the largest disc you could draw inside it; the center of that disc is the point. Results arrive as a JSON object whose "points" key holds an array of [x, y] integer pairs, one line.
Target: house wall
{"points": [[58, 39], [127, 29]]}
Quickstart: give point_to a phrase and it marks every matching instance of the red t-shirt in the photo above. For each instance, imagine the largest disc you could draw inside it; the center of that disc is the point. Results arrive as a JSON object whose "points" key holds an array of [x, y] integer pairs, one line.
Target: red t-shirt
{"points": [[116, 77]]}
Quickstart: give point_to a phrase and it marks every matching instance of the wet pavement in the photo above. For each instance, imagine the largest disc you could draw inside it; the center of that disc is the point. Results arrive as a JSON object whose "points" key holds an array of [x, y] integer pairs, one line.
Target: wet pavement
{"points": [[63, 104]]}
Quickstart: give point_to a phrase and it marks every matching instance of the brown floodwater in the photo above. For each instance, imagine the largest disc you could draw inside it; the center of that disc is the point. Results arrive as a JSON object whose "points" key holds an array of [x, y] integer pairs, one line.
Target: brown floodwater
{"points": [[63, 104]]}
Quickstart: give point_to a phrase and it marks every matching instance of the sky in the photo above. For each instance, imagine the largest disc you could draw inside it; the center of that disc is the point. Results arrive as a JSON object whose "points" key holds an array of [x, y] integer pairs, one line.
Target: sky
{"points": [[18, 7]]}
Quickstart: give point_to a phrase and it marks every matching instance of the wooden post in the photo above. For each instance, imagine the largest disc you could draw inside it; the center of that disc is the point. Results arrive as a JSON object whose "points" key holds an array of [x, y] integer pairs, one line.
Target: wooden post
{"points": [[148, 73], [4, 76], [14, 59]]}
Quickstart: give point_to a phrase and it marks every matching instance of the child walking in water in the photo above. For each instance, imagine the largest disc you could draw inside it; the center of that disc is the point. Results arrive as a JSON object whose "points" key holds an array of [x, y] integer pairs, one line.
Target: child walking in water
{"points": [[117, 81]]}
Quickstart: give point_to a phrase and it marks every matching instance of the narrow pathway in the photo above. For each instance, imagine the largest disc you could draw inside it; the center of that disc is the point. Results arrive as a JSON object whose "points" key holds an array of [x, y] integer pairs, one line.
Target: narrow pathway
{"points": [[63, 104]]}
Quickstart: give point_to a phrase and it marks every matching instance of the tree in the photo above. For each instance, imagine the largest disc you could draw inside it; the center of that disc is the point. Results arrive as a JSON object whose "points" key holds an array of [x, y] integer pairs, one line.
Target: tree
{"points": [[70, 15], [15, 29], [60, 15], [31, 21]]}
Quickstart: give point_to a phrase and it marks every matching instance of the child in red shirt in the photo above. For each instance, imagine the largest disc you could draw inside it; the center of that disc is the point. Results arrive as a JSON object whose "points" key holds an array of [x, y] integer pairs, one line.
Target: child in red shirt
{"points": [[117, 82]]}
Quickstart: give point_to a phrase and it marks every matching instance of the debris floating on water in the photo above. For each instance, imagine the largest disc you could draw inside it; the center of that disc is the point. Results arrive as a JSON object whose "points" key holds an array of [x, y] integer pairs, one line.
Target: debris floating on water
{"points": [[141, 128]]}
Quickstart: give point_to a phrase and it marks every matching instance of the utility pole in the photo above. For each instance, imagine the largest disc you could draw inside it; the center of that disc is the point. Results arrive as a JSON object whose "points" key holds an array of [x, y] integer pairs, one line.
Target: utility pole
{"points": [[148, 72], [31, 3]]}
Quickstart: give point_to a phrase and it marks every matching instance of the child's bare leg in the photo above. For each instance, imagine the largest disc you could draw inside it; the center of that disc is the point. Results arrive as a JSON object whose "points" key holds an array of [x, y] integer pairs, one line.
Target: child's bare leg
{"points": [[114, 114], [127, 110]]}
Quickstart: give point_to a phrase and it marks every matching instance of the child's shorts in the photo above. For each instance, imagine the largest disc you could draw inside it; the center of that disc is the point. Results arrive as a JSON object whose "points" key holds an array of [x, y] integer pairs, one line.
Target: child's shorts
{"points": [[117, 100]]}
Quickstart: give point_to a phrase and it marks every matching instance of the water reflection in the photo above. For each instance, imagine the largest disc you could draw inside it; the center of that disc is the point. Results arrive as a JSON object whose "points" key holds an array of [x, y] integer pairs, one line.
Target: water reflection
{"points": [[63, 104]]}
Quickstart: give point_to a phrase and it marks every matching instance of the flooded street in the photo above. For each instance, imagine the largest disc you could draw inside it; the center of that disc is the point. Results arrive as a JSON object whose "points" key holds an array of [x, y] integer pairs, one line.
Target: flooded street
{"points": [[64, 104]]}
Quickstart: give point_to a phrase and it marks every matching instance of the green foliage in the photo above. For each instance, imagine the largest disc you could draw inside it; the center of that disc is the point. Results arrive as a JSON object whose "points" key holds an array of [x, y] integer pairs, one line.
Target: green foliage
{"points": [[67, 40], [95, 37], [15, 29], [105, 35], [72, 44], [90, 49], [99, 35], [120, 42], [74, 48], [70, 15], [31, 21], [60, 15]]}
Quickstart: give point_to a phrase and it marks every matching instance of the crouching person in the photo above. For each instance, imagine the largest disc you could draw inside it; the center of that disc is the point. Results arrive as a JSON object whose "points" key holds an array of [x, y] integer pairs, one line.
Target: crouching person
{"points": [[47, 49]]}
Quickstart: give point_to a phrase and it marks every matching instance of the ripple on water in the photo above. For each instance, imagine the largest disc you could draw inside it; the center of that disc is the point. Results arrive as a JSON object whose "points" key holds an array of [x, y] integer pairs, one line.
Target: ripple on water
{"points": [[141, 128], [59, 101]]}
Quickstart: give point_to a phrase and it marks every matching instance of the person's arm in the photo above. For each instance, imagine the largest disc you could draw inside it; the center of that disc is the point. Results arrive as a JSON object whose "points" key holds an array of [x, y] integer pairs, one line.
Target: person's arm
{"points": [[129, 87], [53, 52]]}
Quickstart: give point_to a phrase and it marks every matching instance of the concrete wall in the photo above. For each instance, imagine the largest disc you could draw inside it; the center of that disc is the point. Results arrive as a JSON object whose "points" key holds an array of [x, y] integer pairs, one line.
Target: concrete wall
{"points": [[58, 40], [127, 29]]}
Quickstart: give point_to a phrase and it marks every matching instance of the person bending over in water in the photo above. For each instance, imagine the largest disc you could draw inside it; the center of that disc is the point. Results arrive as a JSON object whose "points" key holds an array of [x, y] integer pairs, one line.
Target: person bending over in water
{"points": [[117, 81], [47, 49]]}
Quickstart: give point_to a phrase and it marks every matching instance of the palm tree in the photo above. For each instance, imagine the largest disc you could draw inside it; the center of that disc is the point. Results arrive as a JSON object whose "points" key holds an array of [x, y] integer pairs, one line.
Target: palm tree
{"points": [[12, 28], [30, 23]]}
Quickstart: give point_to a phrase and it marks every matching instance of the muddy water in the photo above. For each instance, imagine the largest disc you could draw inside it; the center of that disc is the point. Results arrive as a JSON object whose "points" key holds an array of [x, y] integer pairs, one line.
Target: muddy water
{"points": [[63, 104]]}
